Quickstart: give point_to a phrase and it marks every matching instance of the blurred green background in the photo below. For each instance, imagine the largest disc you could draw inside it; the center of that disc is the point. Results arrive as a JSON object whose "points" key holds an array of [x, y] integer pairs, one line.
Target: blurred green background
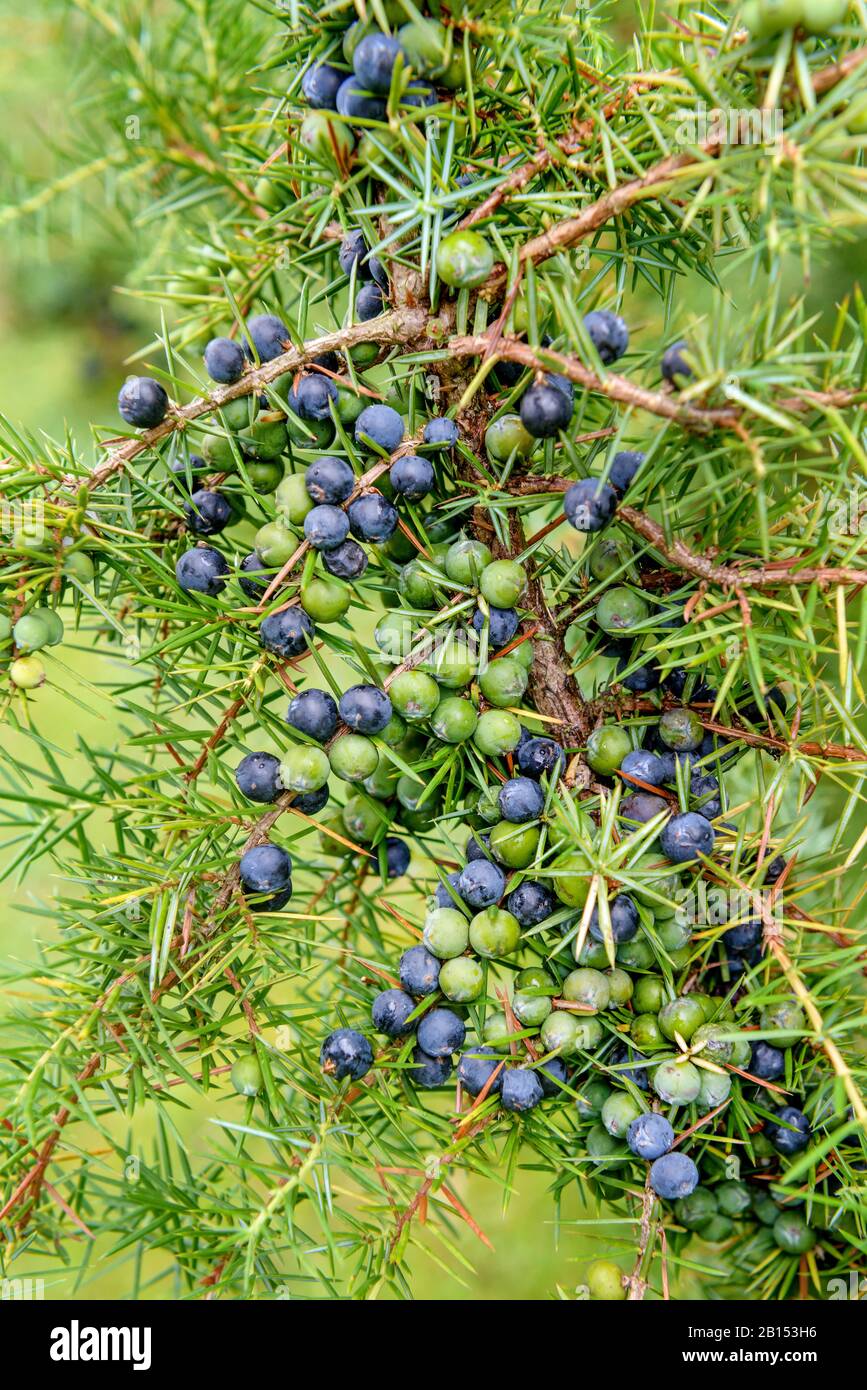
{"points": [[65, 332]]}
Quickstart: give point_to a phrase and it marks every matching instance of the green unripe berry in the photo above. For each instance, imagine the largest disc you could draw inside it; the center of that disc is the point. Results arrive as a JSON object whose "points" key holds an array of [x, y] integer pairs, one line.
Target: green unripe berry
{"points": [[382, 782], [5, 629], [304, 769], [683, 1015], [604, 1149], [606, 560], [503, 582], [677, 1083], [646, 1033], [497, 1032], [494, 932], [716, 1048], [718, 1229], [607, 746], [217, 451], [315, 434], [572, 874], [681, 729], [764, 1206], [465, 561], [733, 1198], [587, 987], [246, 1076], [618, 1112], [504, 682], [523, 654], [393, 635], [673, 933], [410, 791], [454, 720], [265, 477], [636, 954], [592, 1095], [293, 501], [592, 953], [349, 405], [266, 438], [353, 757], [506, 437], [360, 820], [560, 1033], [414, 695], [514, 845], [462, 979], [329, 141], [79, 566], [451, 664], [31, 633], [240, 413], [792, 1233], [787, 1016], [820, 15], [27, 672], [715, 1088], [497, 733], [531, 1009], [274, 544], [51, 619], [325, 600], [649, 995], [446, 933], [620, 985], [415, 586], [605, 1281], [464, 259], [29, 536], [696, 1210], [620, 610]]}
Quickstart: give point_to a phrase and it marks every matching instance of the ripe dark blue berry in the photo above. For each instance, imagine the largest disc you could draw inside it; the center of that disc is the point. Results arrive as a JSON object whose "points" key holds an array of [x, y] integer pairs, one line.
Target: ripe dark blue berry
{"points": [[346, 1053], [642, 807], [314, 713], [258, 777], [372, 518], [608, 334], [225, 360], [390, 1012], [353, 252], [412, 476], [320, 85], [397, 856], [356, 103], [553, 1076], [326, 527], [208, 512], [766, 1062], [346, 561], [380, 424], [368, 303], [442, 431], [589, 504], [704, 789], [503, 624], [476, 1067], [419, 971], [443, 897], [686, 836], [311, 399], [545, 410], [641, 679], [649, 1135], [202, 571], [521, 1090], [285, 633], [790, 1131], [531, 903], [419, 93], [481, 884], [673, 1175], [311, 802], [329, 479], [624, 467], [265, 869], [251, 565], [269, 336], [624, 920], [521, 799], [188, 474], [142, 402], [674, 364], [644, 766], [441, 1033], [429, 1072], [365, 709], [538, 756], [743, 937], [374, 59]]}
